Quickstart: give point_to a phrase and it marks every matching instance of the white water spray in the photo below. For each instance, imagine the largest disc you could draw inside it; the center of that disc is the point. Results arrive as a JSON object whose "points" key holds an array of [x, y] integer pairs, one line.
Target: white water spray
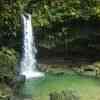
{"points": [[28, 62]]}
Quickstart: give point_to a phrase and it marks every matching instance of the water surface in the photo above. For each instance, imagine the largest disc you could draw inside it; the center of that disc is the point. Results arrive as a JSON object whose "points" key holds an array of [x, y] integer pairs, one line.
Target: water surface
{"points": [[87, 87]]}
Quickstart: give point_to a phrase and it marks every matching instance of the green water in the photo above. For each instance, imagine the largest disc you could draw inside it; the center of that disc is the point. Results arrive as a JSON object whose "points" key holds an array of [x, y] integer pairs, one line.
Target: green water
{"points": [[87, 87]]}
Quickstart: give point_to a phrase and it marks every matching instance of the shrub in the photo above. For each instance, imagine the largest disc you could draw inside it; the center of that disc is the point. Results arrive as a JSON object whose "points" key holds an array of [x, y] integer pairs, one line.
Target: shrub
{"points": [[8, 62]]}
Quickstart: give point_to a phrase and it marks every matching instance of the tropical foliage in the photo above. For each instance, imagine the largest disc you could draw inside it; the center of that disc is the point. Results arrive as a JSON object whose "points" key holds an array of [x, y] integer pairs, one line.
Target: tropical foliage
{"points": [[58, 20], [8, 61], [68, 24]]}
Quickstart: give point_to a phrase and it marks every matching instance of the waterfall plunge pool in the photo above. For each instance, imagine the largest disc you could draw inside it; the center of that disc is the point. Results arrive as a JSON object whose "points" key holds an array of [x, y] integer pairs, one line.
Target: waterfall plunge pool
{"points": [[87, 87]]}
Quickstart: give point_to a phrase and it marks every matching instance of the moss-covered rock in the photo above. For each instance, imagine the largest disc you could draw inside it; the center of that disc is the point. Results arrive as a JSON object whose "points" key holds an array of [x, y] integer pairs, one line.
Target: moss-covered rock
{"points": [[65, 95], [5, 92]]}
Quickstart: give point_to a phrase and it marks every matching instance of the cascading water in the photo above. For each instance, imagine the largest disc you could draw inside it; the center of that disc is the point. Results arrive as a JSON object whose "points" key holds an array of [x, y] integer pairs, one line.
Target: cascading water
{"points": [[28, 62]]}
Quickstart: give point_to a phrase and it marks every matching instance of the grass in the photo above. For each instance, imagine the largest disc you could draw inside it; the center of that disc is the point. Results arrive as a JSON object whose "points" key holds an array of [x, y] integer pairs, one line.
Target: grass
{"points": [[87, 87]]}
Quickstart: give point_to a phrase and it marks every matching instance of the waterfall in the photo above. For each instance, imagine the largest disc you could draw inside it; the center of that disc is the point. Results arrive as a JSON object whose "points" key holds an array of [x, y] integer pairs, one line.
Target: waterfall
{"points": [[28, 62]]}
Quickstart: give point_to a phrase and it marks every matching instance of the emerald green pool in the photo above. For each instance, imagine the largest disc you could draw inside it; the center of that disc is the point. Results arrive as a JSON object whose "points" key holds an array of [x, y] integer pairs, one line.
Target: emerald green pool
{"points": [[87, 87]]}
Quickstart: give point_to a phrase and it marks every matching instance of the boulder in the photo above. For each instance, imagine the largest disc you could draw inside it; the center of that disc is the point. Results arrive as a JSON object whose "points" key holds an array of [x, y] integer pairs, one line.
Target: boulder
{"points": [[17, 82]]}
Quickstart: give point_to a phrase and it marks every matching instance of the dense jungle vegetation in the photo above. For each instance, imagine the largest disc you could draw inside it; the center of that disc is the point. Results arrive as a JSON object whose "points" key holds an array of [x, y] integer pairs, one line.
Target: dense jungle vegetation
{"points": [[69, 25]]}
